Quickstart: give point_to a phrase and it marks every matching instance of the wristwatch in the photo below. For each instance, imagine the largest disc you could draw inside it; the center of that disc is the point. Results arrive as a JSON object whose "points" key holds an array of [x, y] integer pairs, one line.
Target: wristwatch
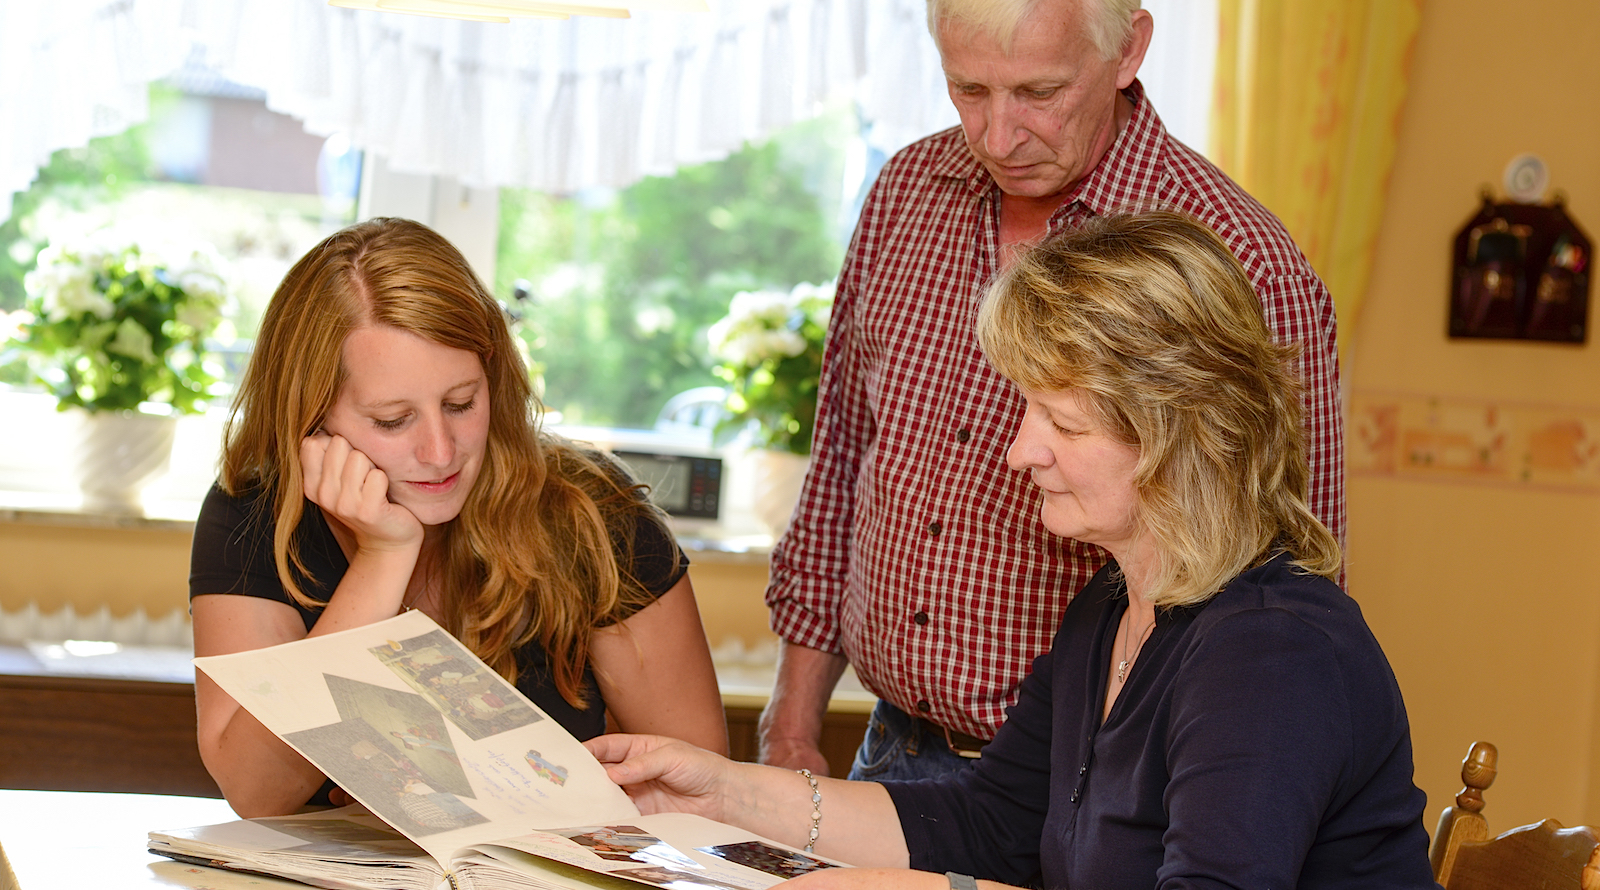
{"points": [[961, 882]]}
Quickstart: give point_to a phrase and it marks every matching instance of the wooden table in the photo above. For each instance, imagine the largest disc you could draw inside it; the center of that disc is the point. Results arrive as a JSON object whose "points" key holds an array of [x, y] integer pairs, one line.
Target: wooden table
{"points": [[67, 840]]}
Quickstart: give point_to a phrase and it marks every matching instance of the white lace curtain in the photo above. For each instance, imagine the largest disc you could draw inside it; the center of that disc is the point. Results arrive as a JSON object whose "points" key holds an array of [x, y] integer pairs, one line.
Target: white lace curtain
{"points": [[549, 104]]}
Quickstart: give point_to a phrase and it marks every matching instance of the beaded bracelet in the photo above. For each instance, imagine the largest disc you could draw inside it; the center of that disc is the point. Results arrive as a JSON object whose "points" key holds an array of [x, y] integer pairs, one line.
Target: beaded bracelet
{"points": [[816, 809]]}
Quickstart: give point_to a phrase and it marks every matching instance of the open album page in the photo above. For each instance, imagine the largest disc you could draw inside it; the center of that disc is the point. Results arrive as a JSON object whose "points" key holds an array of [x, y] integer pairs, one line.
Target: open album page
{"points": [[422, 733], [435, 744]]}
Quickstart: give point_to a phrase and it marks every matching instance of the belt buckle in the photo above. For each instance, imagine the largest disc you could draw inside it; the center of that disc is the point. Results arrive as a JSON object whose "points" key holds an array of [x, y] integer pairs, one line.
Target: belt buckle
{"points": [[949, 740]]}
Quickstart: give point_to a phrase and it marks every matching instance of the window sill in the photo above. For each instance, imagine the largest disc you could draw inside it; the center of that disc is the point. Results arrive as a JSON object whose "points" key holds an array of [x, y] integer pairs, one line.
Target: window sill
{"points": [[704, 541], [51, 508], [37, 481]]}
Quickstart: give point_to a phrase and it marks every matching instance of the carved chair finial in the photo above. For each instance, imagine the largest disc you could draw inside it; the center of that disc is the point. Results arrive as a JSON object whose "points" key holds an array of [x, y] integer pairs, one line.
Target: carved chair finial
{"points": [[1477, 774]]}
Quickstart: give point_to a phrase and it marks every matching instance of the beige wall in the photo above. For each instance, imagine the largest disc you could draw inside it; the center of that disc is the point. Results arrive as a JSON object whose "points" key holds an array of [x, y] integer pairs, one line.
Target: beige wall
{"points": [[56, 565], [1482, 590], [124, 568], [730, 600]]}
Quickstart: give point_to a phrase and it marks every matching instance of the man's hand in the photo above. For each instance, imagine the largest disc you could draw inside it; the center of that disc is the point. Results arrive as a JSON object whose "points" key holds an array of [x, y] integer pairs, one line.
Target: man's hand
{"points": [[791, 724], [792, 753]]}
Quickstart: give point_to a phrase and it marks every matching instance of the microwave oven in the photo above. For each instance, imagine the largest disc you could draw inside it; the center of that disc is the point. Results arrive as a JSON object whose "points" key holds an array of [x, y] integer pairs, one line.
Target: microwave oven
{"points": [[684, 475], [690, 487]]}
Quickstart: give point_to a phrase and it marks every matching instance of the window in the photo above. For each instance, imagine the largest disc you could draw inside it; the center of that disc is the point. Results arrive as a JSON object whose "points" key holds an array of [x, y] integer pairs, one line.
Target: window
{"points": [[213, 165], [615, 289]]}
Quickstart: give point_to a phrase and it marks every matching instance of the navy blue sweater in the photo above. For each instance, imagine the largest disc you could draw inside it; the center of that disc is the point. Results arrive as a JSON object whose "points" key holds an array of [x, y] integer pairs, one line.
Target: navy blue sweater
{"points": [[1260, 742]]}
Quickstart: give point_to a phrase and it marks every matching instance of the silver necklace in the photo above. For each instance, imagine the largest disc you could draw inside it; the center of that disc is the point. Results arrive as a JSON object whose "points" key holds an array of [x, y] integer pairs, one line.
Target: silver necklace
{"points": [[1129, 649]]}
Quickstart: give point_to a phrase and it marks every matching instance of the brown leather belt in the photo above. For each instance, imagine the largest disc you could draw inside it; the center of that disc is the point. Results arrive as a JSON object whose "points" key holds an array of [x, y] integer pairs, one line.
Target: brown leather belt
{"points": [[960, 743]]}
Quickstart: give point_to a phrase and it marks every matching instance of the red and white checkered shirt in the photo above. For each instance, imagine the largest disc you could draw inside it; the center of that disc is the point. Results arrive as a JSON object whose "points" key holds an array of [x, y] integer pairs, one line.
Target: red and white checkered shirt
{"points": [[915, 550]]}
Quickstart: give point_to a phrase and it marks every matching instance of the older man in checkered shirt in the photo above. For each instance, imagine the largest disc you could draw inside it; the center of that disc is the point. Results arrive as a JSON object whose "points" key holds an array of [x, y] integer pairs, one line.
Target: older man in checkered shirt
{"points": [[915, 554]]}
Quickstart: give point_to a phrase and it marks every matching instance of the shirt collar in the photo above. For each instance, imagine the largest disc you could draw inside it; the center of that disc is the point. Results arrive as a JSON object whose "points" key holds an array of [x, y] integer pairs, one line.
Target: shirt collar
{"points": [[1127, 174], [957, 162]]}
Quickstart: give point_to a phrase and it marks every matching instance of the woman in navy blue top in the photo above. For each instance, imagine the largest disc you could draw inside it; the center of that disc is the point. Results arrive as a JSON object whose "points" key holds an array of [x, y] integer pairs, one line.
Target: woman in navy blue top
{"points": [[1214, 711]]}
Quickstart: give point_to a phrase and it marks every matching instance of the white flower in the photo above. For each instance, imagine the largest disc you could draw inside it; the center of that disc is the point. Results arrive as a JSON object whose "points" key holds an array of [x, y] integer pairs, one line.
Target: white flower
{"points": [[199, 314], [726, 343], [816, 300], [97, 252], [144, 261], [764, 325], [759, 307], [199, 257], [805, 290], [201, 285], [79, 328], [748, 344], [199, 272], [782, 344], [65, 290], [11, 324], [51, 255]]}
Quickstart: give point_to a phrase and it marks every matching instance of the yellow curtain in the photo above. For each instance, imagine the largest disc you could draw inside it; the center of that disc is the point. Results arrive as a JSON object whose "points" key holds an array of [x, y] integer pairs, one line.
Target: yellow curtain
{"points": [[1305, 116]]}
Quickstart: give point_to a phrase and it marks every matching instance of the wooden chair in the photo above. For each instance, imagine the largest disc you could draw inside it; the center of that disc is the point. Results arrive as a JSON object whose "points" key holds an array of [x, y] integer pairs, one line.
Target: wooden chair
{"points": [[1543, 856]]}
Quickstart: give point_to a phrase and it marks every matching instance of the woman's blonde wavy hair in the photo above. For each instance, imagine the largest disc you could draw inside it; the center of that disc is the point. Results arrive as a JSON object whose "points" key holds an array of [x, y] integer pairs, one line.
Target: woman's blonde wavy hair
{"points": [[543, 546], [1151, 318]]}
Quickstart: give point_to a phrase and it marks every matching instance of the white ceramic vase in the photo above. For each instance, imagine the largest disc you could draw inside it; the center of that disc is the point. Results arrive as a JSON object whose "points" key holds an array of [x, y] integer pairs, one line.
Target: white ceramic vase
{"points": [[118, 454], [775, 480]]}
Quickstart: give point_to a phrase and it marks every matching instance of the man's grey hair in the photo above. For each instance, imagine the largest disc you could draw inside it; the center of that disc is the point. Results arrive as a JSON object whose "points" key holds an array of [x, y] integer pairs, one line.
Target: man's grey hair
{"points": [[1110, 21]]}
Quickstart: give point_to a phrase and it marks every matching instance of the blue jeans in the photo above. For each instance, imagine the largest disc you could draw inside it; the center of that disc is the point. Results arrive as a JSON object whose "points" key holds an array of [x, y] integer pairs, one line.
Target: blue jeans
{"points": [[899, 746]]}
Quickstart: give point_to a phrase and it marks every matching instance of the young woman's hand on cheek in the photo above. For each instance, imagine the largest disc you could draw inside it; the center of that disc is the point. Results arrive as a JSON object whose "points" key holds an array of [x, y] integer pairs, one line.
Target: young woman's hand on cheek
{"points": [[346, 485]]}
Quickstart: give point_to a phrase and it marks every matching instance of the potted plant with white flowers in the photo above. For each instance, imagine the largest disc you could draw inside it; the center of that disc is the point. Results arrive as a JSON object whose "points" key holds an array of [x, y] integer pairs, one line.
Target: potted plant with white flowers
{"points": [[116, 328], [769, 351]]}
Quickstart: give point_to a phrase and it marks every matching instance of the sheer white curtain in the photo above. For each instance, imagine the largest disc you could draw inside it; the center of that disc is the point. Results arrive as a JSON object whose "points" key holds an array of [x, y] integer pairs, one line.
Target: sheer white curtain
{"points": [[71, 70], [550, 104]]}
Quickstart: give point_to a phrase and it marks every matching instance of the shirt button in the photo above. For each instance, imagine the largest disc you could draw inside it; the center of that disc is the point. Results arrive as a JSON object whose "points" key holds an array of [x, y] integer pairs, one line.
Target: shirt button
{"points": [[934, 528], [963, 434], [920, 617], [924, 706]]}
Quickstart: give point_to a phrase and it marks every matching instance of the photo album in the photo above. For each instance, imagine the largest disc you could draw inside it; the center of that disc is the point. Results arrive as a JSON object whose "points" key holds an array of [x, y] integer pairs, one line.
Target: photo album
{"points": [[461, 782]]}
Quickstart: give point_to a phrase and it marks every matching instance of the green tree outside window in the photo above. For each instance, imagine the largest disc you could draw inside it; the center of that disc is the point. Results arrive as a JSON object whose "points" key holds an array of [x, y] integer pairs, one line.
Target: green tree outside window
{"points": [[623, 289]]}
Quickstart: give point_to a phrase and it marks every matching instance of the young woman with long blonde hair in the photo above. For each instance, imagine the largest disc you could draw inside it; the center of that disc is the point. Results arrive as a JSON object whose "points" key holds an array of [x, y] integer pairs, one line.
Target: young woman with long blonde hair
{"points": [[385, 454]]}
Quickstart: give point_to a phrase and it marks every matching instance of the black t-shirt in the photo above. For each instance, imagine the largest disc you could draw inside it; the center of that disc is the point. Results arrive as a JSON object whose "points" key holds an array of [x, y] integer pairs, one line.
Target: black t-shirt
{"points": [[233, 554]]}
